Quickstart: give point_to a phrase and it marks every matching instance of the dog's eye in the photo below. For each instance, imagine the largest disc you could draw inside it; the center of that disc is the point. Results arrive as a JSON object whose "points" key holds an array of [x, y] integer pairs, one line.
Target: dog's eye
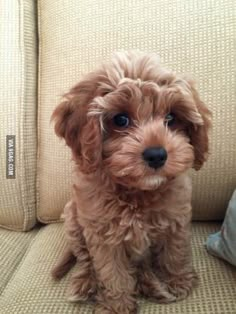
{"points": [[169, 119], [121, 120]]}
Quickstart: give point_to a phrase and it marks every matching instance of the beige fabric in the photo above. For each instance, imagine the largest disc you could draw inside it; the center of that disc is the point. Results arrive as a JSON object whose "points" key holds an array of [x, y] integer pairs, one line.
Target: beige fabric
{"points": [[13, 246], [31, 289], [191, 36], [18, 112]]}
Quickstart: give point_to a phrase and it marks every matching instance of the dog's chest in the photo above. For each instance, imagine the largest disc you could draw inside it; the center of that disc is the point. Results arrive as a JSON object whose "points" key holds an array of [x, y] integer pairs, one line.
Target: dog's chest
{"points": [[136, 239], [138, 235]]}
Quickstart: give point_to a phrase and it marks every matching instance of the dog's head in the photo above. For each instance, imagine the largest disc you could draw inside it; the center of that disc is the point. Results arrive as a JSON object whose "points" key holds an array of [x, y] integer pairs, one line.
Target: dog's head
{"points": [[135, 120]]}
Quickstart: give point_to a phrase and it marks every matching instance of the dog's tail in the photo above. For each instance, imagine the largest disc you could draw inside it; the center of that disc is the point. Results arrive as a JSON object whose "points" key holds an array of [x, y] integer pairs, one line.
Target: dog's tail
{"points": [[65, 263]]}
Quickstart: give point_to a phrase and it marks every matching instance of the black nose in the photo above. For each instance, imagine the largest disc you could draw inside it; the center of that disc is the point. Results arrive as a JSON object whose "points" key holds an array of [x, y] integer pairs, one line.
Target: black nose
{"points": [[155, 156]]}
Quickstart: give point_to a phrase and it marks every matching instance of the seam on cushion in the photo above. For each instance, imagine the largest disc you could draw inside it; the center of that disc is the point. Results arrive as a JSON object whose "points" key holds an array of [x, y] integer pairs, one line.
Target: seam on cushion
{"points": [[22, 102], [18, 129], [27, 210], [21, 262], [29, 215], [38, 110], [18, 264], [48, 220], [12, 227], [21, 126]]}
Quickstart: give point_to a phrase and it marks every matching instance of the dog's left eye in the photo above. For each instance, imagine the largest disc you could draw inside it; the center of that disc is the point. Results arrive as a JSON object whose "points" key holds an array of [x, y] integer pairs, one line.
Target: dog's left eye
{"points": [[121, 120], [169, 119]]}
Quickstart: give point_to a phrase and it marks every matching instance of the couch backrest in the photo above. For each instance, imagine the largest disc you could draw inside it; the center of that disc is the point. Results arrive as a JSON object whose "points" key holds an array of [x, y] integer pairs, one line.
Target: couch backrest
{"points": [[191, 36], [18, 64]]}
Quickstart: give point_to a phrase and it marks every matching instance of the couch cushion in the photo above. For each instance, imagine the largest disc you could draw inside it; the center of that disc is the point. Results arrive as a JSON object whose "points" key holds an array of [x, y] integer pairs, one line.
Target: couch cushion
{"points": [[31, 289], [193, 37], [18, 114], [13, 246]]}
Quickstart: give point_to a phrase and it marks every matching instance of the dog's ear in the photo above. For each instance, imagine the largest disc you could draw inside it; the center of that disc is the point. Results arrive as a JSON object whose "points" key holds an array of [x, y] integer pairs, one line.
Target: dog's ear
{"points": [[69, 117], [80, 131], [91, 145], [199, 133], [65, 117]]}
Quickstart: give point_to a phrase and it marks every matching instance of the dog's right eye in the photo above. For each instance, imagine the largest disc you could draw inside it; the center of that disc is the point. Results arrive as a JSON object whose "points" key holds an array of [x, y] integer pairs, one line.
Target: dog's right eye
{"points": [[121, 120], [170, 119]]}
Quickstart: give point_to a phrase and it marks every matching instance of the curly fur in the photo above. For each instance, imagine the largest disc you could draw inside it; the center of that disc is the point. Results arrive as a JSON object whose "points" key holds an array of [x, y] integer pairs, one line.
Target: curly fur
{"points": [[128, 225]]}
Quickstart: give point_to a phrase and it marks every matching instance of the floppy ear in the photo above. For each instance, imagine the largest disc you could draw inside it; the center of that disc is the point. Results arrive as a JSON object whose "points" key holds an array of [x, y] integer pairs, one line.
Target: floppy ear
{"points": [[91, 145], [68, 122], [199, 132], [81, 132]]}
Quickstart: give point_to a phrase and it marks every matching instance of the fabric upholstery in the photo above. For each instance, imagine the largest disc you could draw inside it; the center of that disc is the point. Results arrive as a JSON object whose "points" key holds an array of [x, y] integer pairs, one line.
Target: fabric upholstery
{"points": [[31, 289], [13, 246], [18, 56], [194, 37]]}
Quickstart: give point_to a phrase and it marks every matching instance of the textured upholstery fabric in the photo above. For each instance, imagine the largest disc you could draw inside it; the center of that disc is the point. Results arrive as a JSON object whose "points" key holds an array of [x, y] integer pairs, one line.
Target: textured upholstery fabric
{"points": [[191, 36], [18, 112], [31, 289], [13, 246]]}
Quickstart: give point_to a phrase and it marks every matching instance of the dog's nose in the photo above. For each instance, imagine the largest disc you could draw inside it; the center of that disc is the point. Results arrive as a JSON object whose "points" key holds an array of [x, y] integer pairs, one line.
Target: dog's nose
{"points": [[155, 156]]}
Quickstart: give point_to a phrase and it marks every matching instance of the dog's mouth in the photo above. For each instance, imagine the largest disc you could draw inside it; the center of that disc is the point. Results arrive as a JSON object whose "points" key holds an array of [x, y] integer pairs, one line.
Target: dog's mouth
{"points": [[145, 182], [151, 182]]}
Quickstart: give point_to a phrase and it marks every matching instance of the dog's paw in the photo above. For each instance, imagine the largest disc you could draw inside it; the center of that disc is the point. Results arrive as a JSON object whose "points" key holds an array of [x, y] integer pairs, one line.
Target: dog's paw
{"points": [[124, 305], [100, 309], [81, 289], [123, 309], [163, 297], [181, 286], [155, 290]]}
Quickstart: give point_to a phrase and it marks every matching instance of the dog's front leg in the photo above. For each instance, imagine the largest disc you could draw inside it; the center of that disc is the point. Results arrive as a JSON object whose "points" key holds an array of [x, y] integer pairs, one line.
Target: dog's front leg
{"points": [[116, 283], [82, 285], [174, 262]]}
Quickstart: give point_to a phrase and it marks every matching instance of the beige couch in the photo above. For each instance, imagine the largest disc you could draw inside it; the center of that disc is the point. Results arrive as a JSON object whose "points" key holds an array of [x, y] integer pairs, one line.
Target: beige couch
{"points": [[44, 49]]}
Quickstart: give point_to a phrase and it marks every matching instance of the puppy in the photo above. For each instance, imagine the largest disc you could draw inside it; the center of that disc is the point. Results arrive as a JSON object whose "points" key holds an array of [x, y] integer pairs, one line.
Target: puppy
{"points": [[134, 129]]}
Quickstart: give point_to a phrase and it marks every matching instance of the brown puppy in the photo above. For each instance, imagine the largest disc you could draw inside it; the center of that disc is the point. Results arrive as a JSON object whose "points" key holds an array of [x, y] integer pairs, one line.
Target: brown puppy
{"points": [[134, 129]]}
